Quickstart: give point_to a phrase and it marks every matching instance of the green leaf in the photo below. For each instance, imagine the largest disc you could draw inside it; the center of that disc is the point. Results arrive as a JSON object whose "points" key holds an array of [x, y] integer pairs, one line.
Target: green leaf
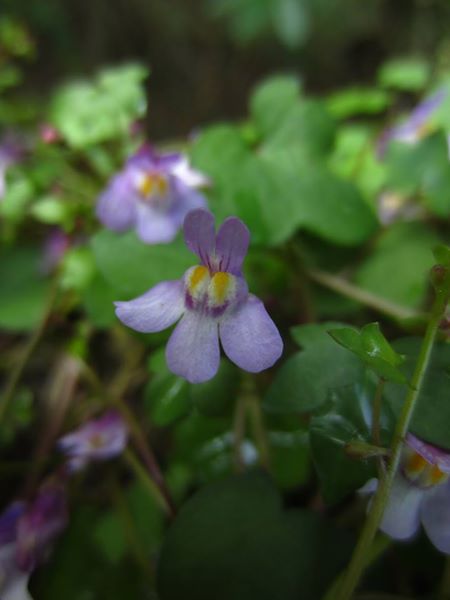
{"points": [[52, 210], [291, 22], [232, 540], [442, 255], [399, 265], [217, 397], [77, 268], [98, 300], [373, 349], [303, 382], [349, 419], [432, 414], [132, 267], [87, 113], [24, 290], [356, 101], [422, 168], [166, 395], [271, 100], [409, 75]]}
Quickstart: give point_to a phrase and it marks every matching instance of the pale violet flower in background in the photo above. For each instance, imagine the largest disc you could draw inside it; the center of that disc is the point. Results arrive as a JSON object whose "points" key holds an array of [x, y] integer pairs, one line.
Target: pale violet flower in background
{"points": [[416, 126], [211, 302], [152, 194], [27, 533], [96, 440], [11, 152], [56, 245], [420, 494]]}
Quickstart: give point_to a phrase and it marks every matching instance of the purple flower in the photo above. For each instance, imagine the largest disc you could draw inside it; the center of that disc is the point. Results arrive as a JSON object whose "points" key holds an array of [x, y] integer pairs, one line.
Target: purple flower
{"points": [[27, 532], [213, 301], [99, 439], [416, 125], [11, 152], [420, 494], [153, 194], [56, 245]]}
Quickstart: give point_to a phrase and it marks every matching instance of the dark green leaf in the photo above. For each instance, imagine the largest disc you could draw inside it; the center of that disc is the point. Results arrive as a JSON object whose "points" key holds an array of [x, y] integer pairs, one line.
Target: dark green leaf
{"points": [[302, 384], [232, 540]]}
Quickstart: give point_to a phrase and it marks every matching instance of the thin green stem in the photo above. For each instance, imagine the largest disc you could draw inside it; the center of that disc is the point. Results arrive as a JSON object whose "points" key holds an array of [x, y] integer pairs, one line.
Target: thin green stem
{"points": [[259, 430], [28, 350], [359, 558], [376, 423], [380, 544], [343, 287], [148, 483]]}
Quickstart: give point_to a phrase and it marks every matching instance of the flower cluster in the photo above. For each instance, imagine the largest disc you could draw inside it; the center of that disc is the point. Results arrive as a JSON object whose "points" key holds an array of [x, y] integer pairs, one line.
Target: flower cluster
{"points": [[96, 440], [213, 302], [420, 494], [152, 194], [27, 533]]}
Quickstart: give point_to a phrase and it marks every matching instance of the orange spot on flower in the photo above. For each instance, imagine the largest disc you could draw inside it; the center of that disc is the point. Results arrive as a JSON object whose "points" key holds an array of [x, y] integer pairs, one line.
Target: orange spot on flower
{"points": [[436, 476], [416, 464], [153, 184], [196, 277], [221, 287]]}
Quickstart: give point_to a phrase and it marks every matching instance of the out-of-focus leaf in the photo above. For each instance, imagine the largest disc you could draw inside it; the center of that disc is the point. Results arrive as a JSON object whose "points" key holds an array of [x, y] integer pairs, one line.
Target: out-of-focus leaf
{"points": [[88, 113], [272, 99], [356, 101], [303, 382], [233, 540], [291, 22], [24, 289], [398, 267], [77, 268], [217, 397], [98, 300], [410, 75], [132, 267], [432, 414], [166, 395]]}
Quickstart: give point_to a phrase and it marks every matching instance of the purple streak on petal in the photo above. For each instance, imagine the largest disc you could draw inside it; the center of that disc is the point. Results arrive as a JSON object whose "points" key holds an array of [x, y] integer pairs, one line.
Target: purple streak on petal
{"points": [[401, 516], [435, 515], [155, 310], [43, 520], [232, 243], [155, 226], [8, 522], [199, 234], [193, 348], [249, 336], [116, 205], [432, 454]]}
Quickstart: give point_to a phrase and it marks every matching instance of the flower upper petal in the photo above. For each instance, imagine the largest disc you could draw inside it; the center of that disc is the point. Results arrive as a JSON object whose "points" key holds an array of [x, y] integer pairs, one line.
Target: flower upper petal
{"points": [[199, 234], [435, 515], [232, 244], [249, 336], [432, 454], [193, 349], [401, 515], [116, 206], [155, 310]]}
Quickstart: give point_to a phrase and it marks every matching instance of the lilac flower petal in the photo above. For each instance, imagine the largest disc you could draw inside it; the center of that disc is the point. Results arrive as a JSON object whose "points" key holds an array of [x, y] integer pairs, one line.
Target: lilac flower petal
{"points": [[193, 348], [199, 234], [8, 522], [186, 199], [116, 206], [250, 338], [232, 243], [189, 176], [15, 586], [401, 516], [155, 310], [154, 226], [432, 454], [435, 514]]}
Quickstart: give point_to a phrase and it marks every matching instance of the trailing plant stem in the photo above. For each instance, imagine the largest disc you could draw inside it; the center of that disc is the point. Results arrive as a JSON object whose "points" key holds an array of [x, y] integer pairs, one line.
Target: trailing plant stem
{"points": [[359, 558]]}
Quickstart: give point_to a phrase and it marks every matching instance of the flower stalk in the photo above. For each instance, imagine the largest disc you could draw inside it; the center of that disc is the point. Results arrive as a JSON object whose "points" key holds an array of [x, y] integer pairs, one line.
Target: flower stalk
{"points": [[441, 281]]}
